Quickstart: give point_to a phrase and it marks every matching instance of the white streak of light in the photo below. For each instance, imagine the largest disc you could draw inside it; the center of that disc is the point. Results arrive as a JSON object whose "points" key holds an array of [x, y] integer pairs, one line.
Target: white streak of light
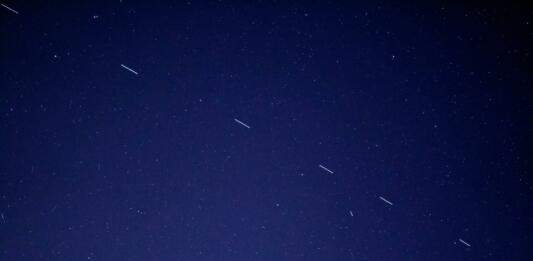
{"points": [[326, 169], [242, 123], [462, 241], [385, 200], [129, 69], [10, 9]]}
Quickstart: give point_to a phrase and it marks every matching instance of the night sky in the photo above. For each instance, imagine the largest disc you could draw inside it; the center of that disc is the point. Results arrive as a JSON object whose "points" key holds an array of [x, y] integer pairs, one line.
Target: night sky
{"points": [[265, 130]]}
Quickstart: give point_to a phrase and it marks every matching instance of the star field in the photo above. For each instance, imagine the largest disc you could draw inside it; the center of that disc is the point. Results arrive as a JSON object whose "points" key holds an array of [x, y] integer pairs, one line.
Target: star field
{"points": [[265, 130]]}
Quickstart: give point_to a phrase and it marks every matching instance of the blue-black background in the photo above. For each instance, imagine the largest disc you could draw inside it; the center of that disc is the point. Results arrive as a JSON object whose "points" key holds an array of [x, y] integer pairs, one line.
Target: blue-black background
{"points": [[424, 104]]}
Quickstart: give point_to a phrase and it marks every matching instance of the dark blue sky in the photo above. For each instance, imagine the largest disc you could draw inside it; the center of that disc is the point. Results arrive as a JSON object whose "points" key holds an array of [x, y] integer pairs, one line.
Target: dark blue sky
{"points": [[421, 111]]}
